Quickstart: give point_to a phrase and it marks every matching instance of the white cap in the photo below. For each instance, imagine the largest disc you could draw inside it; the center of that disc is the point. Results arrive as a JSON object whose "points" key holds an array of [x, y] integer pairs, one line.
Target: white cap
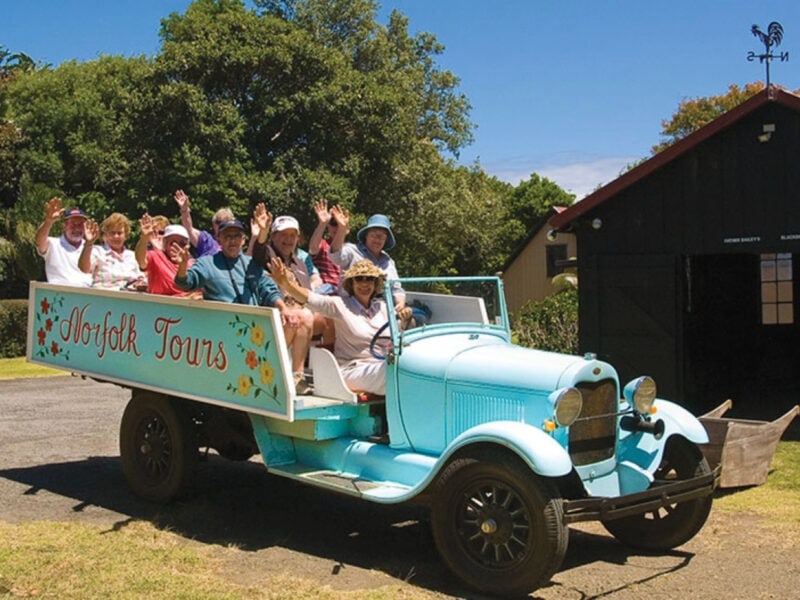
{"points": [[178, 230], [285, 222]]}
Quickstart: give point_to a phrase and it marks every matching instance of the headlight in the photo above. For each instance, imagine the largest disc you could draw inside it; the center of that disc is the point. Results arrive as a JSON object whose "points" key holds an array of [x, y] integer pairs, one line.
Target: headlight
{"points": [[568, 403], [641, 393]]}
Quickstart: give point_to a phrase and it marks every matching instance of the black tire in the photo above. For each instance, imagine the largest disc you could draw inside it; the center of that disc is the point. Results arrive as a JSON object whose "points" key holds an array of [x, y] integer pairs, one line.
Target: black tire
{"points": [[497, 526], [157, 446], [671, 526]]}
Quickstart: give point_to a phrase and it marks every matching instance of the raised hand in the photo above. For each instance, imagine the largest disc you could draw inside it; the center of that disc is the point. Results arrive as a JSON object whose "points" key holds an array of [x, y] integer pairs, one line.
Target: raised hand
{"points": [[182, 200], [278, 270], [146, 225], [341, 216], [322, 212], [262, 219], [91, 231], [53, 210]]}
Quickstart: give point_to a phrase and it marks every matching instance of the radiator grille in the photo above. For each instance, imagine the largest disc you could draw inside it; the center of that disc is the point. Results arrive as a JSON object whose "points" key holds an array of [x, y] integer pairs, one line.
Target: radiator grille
{"points": [[592, 438]]}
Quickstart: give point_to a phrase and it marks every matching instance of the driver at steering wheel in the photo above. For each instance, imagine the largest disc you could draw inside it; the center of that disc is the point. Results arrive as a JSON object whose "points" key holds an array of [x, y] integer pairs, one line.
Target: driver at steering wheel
{"points": [[359, 315]]}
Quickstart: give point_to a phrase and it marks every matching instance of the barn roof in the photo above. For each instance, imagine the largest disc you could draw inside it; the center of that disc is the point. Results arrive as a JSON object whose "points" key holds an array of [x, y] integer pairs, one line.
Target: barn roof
{"points": [[771, 94]]}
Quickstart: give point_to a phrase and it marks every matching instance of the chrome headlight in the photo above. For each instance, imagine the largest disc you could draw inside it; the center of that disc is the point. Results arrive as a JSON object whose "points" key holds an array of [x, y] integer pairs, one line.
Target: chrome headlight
{"points": [[641, 393], [567, 406]]}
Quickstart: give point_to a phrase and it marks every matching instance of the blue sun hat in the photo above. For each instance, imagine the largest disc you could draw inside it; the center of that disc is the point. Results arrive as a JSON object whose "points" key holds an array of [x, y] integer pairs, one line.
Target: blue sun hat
{"points": [[381, 221]]}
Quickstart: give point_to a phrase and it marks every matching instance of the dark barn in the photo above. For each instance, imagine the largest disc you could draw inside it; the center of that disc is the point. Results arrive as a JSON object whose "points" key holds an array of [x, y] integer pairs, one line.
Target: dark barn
{"points": [[689, 264]]}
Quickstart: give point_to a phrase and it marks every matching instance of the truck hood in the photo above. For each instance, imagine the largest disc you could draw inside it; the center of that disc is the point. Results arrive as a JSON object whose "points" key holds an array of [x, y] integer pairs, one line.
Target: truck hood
{"points": [[489, 362]]}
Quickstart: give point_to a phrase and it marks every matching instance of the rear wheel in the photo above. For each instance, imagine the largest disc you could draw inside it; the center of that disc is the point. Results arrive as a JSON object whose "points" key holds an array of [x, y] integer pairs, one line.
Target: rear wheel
{"points": [[673, 525], [497, 526], [157, 446]]}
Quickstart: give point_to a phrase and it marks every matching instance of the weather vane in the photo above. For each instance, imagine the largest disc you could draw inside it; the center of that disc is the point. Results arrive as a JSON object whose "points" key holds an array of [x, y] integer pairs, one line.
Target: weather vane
{"points": [[772, 37]]}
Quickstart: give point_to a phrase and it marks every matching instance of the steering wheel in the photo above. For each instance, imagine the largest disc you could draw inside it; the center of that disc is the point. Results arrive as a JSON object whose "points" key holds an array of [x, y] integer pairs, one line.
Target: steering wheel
{"points": [[421, 316], [378, 337]]}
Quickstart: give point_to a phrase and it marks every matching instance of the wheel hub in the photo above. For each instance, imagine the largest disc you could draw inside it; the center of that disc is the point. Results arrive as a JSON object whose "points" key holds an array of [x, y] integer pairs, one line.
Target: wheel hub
{"points": [[488, 526]]}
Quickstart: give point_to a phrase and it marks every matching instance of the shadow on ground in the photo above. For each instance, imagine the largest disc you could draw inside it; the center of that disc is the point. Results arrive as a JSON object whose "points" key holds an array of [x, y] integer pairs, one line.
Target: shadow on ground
{"points": [[240, 504]]}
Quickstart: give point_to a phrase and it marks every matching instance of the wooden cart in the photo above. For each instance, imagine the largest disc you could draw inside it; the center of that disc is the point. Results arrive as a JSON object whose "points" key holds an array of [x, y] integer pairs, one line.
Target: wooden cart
{"points": [[743, 447]]}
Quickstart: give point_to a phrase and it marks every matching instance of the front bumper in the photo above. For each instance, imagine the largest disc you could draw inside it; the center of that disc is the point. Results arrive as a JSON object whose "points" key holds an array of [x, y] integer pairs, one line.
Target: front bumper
{"points": [[607, 509]]}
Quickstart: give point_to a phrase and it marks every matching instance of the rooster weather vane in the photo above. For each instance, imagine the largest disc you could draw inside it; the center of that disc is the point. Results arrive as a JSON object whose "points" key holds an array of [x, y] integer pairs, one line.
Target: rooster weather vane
{"points": [[772, 37]]}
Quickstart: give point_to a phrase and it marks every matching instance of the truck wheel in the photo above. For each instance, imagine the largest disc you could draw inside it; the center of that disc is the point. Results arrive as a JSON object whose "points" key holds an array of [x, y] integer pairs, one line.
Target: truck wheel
{"points": [[670, 526], [156, 443], [497, 526]]}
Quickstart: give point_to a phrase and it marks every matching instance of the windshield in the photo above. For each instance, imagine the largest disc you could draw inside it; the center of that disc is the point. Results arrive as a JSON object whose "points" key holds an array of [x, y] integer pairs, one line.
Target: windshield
{"points": [[440, 300]]}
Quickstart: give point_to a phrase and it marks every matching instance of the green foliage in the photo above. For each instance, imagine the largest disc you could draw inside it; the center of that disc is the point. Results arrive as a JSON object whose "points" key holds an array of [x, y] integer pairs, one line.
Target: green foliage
{"points": [[284, 104], [550, 324], [525, 206], [13, 325]]}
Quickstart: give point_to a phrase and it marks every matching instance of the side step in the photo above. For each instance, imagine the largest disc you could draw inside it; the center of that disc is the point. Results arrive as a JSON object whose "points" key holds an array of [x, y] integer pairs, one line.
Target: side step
{"points": [[347, 483]]}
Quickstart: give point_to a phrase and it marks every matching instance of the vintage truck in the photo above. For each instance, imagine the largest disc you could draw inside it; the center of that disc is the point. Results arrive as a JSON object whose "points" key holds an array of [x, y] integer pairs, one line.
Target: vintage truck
{"points": [[506, 445]]}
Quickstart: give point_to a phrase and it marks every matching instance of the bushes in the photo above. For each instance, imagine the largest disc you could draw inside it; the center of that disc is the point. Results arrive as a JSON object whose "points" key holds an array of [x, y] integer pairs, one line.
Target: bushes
{"points": [[13, 324], [550, 324]]}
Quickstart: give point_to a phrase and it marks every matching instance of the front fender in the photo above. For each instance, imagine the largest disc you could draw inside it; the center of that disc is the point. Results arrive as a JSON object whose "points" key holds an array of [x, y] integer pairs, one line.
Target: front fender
{"points": [[644, 450], [542, 453], [679, 420]]}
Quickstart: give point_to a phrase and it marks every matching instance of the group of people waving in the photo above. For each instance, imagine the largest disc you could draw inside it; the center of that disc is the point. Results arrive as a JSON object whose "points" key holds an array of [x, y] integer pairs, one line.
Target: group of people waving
{"points": [[333, 292]]}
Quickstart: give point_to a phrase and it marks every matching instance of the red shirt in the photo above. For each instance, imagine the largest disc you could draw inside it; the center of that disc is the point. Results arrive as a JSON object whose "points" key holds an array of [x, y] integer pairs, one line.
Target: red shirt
{"points": [[161, 274], [329, 271]]}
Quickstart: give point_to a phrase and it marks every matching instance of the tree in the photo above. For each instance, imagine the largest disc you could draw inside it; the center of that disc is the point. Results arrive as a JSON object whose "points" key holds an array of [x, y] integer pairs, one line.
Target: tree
{"points": [[525, 206], [283, 104]]}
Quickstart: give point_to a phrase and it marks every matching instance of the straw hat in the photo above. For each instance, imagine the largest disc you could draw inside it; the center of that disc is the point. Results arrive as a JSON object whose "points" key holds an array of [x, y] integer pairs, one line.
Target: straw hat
{"points": [[363, 268]]}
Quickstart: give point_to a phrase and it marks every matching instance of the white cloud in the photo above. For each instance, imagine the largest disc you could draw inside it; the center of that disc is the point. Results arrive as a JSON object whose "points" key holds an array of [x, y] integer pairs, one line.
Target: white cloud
{"points": [[578, 174]]}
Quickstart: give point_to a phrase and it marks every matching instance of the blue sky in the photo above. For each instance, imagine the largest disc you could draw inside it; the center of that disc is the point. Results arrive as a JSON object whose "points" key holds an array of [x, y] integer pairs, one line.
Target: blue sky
{"points": [[573, 90]]}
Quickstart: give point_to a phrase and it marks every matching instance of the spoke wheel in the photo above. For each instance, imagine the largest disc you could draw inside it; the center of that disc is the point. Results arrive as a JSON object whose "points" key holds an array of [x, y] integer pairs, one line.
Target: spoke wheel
{"points": [[669, 526], [497, 526], [157, 447]]}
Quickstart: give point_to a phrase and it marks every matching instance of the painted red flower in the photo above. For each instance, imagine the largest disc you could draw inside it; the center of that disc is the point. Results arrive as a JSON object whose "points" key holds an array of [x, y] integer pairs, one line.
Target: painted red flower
{"points": [[42, 336], [45, 306], [54, 348], [48, 325], [251, 359]]}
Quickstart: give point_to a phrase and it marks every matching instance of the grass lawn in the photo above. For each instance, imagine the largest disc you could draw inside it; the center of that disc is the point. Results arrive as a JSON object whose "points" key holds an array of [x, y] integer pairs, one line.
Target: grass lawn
{"points": [[15, 368]]}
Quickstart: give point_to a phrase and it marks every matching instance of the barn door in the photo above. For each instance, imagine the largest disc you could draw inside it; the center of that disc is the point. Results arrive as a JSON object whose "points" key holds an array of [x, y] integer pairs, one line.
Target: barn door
{"points": [[731, 352], [637, 318]]}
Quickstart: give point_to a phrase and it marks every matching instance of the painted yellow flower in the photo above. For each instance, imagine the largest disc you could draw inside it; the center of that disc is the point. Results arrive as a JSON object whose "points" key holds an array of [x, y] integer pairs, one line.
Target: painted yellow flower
{"points": [[257, 335], [267, 372], [244, 385]]}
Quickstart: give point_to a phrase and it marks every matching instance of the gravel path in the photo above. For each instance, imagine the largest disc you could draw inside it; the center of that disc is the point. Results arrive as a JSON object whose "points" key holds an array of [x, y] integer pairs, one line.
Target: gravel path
{"points": [[59, 460]]}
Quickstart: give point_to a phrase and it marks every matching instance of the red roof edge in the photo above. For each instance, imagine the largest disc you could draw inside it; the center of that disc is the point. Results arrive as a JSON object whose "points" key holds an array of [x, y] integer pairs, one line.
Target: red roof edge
{"points": [[771, 94]]}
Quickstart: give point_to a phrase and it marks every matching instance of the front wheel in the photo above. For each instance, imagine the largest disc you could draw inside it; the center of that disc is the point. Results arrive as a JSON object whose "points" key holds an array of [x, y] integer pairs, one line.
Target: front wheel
{"points": [[670, 526], [497, 526], [157, 446]]}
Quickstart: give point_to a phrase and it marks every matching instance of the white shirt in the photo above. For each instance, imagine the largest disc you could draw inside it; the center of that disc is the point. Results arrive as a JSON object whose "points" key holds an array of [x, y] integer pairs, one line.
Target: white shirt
{"points": [[355, 325], [61, 263]]}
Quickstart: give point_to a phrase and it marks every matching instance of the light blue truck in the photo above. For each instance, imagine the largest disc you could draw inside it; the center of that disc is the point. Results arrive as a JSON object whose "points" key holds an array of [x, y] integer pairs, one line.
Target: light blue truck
{"points": [[506, 445]]}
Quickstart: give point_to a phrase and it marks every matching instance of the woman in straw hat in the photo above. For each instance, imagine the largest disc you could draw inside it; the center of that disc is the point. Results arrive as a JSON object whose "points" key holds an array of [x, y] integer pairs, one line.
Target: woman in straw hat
{"points": [[359, 314]]}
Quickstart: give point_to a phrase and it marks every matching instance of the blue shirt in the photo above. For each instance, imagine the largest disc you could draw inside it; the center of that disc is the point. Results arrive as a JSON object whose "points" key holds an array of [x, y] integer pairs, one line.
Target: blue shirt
{"points": [[230, 280]]}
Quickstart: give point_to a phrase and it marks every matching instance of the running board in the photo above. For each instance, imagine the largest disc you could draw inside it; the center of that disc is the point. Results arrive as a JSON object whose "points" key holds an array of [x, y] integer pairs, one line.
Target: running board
{"points": [[346, 483]]}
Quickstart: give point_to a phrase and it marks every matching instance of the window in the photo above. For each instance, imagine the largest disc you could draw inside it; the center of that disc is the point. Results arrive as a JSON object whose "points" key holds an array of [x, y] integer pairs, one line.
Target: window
{"points": [[555, 253], [777, 289]]}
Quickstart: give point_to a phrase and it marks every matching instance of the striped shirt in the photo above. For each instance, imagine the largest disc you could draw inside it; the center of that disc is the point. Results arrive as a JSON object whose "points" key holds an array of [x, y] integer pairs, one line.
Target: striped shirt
{"points": [[112, 270]]}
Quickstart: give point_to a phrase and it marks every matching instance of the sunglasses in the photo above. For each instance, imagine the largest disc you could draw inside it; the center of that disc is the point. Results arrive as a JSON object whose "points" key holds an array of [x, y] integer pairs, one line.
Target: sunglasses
{"points": [[160, 232], [363, 278]]}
